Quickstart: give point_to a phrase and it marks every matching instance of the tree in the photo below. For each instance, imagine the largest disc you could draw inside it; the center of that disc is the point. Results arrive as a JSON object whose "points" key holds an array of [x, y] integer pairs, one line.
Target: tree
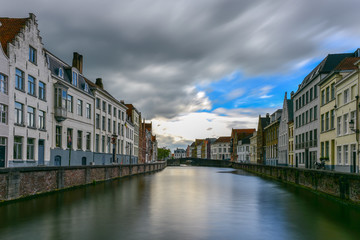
{"points": [[163, 153]]}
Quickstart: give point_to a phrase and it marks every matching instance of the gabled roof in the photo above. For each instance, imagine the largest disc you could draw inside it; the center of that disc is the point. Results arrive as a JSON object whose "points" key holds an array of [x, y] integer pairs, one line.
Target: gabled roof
{"points": [[290, 110], [9, 28], [223, 140]]}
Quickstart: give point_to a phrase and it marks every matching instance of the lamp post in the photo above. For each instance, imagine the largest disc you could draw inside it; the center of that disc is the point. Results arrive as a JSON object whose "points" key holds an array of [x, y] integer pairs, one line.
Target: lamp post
{"points": [[113, 141]]}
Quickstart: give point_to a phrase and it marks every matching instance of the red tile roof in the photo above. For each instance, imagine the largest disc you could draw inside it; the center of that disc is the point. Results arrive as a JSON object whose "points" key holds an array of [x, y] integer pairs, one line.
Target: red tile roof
{"points": [[223, 140], [9, 28], [348, 64]]}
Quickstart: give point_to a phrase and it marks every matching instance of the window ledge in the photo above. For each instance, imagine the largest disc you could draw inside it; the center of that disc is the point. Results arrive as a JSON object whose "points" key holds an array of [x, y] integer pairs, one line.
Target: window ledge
{"points": [[35, 63], [18, 161], [30, 161], [19, 125], [44, 100], [32, 95], [30, 127], [21, 90], [42, 130]]}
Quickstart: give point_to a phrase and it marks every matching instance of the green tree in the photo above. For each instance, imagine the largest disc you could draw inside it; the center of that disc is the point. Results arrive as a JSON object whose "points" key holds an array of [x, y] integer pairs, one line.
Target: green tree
{"points": [[163, 153]]}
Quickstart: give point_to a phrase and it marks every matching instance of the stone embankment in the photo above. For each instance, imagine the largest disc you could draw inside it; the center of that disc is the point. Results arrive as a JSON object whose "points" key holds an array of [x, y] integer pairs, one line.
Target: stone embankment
{"points": [[17, 183], [345, 186]]}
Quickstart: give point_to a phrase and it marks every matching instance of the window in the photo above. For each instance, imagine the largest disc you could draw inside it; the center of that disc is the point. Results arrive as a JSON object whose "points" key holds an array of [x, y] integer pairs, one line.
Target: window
{"points": [[88, 141], [31, 117], [61, 73], [42, 90], [322, 149], [3, 113], [306, 116], [322, 122], [327, 149], [30, 149], [339, 125], [327, 94], [315, 92], [3, 83], [97, 121], [74, 78], [103, 144], [353, 92], [109, 109], [332, 119], [114, 127], [104, 106], [86, 87], [69, 137], [118, 129], [79, 140], [108, 144], [114, 111], [122, 129], [311, 114], [353, 118], [122, 116], [346, 96], [69, 103], [31, 85], [19, 118], [346, 154], [109, 125], [79, 107], [327, 119], [307, 97], [41, 120], [332, 91], [315, 112], [119, 114], [19, 79], [103, 123], [346, 119], [97, 103], [322, 97], [60, 98], [97, 143], [58, 136], [88, 111], [18, 148], [32, 54], [311, 94]]}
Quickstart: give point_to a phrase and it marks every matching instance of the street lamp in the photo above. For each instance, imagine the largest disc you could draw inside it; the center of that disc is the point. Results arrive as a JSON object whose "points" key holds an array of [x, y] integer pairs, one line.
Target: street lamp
{"points": [[352, 126], [113, 141]]}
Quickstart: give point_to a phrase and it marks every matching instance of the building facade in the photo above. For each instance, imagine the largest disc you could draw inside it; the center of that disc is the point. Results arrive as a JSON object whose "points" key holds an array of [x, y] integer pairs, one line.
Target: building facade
{"points": [[179, 153], [306, 112], [271, 133], [220, 149], [283, 140], [253, 151], [25, 87], [243, 150]]}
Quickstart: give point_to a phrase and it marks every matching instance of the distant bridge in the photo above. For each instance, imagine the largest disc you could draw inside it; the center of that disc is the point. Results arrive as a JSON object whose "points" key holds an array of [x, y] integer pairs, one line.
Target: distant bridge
{"points": [[199, 162]]}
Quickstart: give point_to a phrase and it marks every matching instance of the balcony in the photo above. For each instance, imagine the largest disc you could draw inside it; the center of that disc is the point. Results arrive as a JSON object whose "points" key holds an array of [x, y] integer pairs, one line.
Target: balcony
{"points": [[60, 114]]}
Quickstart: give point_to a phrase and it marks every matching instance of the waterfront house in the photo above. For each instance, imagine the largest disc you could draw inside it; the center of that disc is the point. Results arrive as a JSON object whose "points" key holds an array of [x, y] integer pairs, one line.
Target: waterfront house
{"points": [[179, 153], [220, 149], [306, 111], [243, 150], [236, 135], [271, 133], [253, 151], [283, 141], [25, 95], [260, 142]]}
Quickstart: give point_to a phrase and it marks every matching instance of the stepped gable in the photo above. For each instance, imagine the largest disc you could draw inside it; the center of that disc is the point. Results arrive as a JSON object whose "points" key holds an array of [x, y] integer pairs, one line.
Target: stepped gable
{"points": [[9, 28]]}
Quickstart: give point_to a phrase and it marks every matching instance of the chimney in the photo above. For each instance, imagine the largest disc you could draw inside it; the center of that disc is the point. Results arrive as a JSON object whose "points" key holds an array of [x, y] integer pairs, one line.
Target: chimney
{"points": [[292, 94], [78, 62], [32, 16], [267, 115], [99, 83]]}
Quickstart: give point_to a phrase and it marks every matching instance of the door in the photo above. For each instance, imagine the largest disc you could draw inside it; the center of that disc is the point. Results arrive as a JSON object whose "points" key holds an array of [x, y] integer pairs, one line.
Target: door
{"points": [[57, 161], [83, 161], [2, 156], [41, 152]]}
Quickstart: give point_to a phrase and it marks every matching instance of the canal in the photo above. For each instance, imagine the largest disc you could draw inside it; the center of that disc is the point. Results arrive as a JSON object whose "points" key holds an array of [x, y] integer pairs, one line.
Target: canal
{"points": [[181, 203]]}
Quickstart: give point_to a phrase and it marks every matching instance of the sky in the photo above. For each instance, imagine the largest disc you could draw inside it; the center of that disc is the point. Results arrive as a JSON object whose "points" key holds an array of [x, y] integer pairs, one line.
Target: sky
{"points": [[196, 69]]}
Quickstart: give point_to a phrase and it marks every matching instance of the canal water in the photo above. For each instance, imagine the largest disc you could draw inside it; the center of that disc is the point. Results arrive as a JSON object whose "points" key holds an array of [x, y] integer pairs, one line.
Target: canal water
{"points": [[181, 203]]}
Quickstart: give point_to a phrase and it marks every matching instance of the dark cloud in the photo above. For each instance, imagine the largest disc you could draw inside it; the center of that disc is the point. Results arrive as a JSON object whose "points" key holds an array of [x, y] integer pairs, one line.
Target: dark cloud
{"points": [[152, 53]]}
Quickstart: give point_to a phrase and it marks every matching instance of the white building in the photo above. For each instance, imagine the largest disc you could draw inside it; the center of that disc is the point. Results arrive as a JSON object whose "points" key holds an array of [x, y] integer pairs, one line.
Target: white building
{"points": [[243, 150], [72, 113], [220, 149], [25, 126], [179, 153]]}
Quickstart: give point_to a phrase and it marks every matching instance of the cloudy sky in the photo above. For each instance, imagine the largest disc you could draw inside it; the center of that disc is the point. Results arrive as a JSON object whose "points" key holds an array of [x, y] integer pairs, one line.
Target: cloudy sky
{"points": [[196, 69]]}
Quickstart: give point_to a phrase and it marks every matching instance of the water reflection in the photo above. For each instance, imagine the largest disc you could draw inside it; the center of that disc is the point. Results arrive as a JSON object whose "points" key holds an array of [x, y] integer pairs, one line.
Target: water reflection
{"points": [[181, 203]]}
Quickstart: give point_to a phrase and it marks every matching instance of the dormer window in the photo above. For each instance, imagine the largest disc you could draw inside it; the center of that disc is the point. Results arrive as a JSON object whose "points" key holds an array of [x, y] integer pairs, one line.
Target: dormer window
{"points": [[86, 87], [61, 73], [74, 78]]}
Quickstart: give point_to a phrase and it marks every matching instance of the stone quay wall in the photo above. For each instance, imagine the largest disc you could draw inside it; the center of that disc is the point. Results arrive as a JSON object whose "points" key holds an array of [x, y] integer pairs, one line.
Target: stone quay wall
{"points": [[345, 186], [20, 182]]}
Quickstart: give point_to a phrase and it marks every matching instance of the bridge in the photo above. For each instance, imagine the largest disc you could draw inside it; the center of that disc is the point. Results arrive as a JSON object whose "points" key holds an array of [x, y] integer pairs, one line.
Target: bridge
{"points": [[199, 162]]}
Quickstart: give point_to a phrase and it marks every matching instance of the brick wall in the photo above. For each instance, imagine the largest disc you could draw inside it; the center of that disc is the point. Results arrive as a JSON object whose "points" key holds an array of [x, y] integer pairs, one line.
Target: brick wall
{"points": [[22, 182]]}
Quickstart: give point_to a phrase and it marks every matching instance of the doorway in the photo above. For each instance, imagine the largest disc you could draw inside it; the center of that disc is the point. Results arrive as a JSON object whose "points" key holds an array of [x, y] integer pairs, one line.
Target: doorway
{"points": [[2, 152], [41, 153]]}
